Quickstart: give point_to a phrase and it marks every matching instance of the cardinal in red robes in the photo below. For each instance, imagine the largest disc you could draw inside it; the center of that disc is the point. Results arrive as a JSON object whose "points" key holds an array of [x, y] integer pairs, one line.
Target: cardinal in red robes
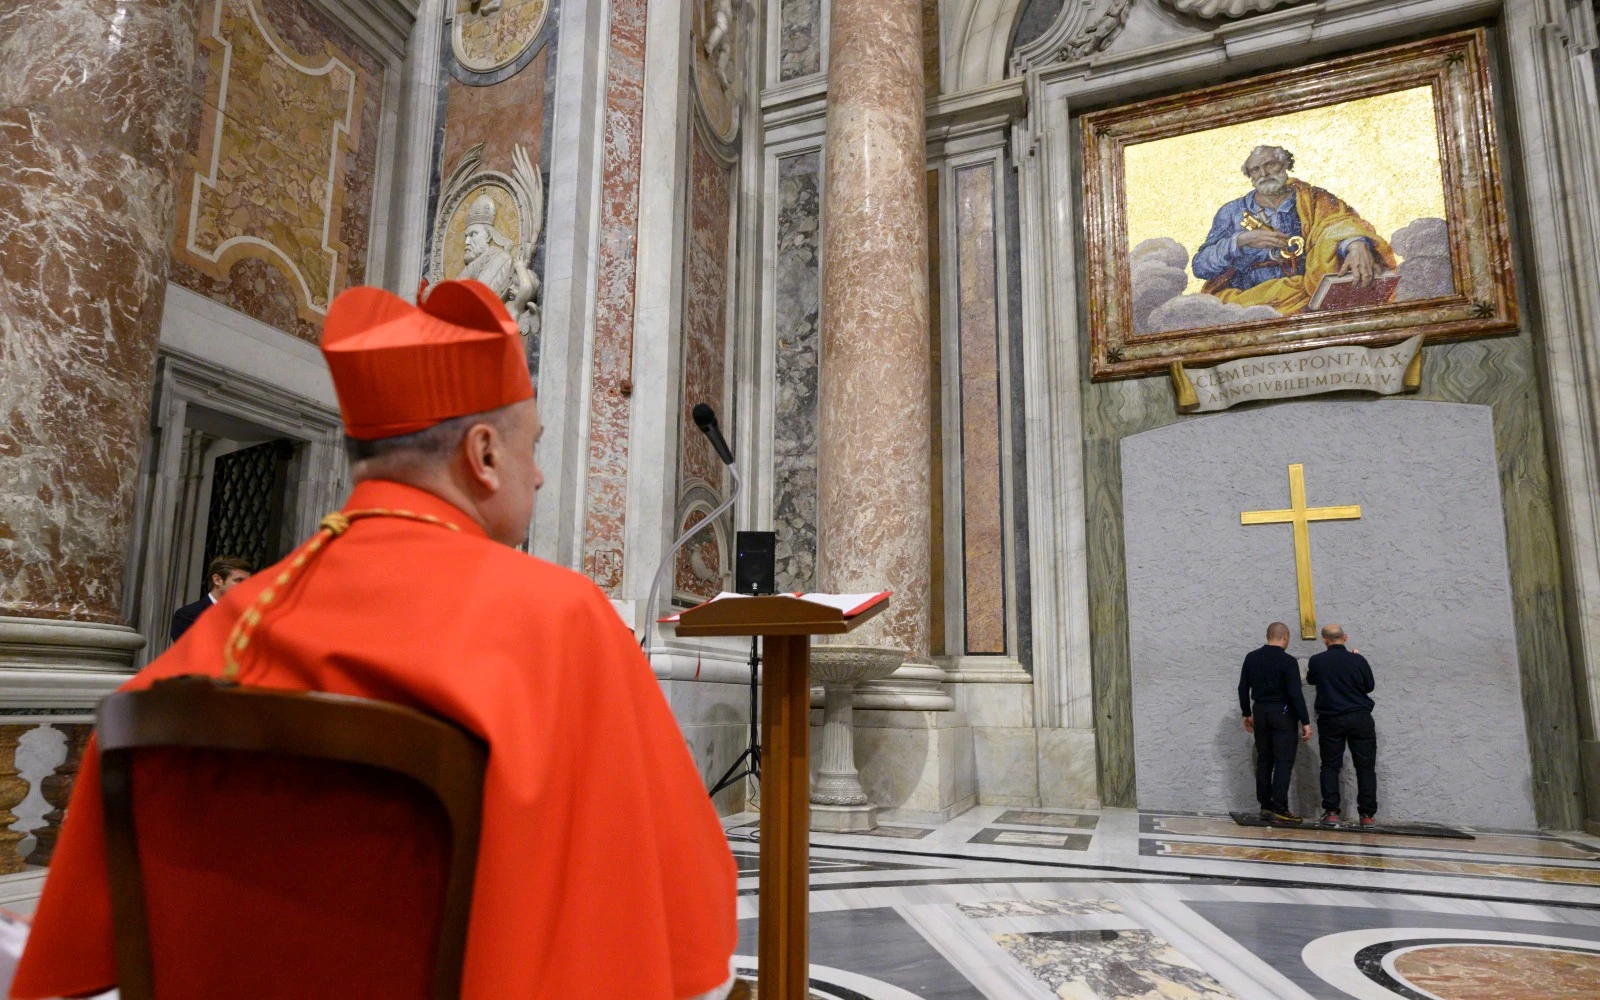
{"points": [[603, 870]]}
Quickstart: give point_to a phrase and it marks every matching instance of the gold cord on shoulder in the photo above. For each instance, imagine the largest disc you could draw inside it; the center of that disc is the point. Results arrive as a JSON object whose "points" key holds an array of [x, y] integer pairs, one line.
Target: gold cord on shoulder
{"points": [[331, 526]]}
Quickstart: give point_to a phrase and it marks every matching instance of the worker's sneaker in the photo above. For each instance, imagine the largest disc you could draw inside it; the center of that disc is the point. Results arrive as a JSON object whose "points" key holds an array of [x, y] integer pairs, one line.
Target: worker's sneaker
{"points": [[1284, 817], [1368, 821], [1330, 818], [1266, 815]]}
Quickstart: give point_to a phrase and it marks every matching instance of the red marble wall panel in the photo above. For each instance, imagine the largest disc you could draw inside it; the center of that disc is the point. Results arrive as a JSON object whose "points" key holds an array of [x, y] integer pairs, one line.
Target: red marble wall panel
{"points": [[606, 497], [705, 352], [983, 524], [257, 286], [500, 116]]}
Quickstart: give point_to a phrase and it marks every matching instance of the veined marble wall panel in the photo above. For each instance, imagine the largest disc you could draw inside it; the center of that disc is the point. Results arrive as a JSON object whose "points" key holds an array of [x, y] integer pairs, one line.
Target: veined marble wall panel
{"points": [[1033, 20], [938, 626], [506, 114], [275, 200], [606, 492], [798, 310], [1022, 567], [930, 46], [701, 564], [800, 41], [1499, 372], [983, 520]]}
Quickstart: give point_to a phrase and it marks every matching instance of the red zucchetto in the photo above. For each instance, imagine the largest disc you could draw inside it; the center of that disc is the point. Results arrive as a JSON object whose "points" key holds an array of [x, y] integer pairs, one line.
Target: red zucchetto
{"points": [[399, 368]]}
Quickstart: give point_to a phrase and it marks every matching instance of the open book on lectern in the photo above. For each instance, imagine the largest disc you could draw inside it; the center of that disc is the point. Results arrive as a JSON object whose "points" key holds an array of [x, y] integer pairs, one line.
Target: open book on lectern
{"points": [[848, 605]]}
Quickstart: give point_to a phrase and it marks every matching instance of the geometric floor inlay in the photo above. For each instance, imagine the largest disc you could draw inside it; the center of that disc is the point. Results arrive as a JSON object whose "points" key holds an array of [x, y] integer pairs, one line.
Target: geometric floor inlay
{"points": [[1574, 875], [1034, 904], [1478, 971], [1111, 963]]}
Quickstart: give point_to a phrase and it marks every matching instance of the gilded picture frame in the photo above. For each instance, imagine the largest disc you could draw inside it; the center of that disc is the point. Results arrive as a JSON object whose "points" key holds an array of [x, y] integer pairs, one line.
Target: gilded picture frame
{"points": [[1409, 130]]}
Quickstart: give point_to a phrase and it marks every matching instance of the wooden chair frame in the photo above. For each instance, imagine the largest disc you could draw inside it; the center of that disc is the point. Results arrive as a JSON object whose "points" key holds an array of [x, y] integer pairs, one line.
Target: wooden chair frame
{"points": [[204, 713]]}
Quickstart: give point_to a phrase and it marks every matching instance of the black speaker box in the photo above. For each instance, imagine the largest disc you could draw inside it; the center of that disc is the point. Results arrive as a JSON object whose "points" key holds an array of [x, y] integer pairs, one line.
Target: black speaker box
{"points": [[755, 560]]}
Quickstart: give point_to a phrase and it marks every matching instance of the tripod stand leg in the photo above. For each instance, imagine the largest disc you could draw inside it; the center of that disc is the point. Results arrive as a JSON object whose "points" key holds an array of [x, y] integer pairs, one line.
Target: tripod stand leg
{"points": [[748, 763]]}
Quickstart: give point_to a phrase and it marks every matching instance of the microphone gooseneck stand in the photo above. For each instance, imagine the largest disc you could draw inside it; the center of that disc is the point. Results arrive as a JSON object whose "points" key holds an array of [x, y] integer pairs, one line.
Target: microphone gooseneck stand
{"points": [[706, 419], [670, 562]]}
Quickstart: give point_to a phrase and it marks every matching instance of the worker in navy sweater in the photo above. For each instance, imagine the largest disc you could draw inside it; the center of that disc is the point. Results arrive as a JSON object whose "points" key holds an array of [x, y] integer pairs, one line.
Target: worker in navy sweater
{"points": [[1344, 684], [1272, 703]]}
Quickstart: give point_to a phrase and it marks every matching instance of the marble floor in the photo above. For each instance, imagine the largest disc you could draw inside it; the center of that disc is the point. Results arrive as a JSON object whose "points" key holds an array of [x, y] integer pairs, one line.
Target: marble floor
{"points": [[1033, 904]]}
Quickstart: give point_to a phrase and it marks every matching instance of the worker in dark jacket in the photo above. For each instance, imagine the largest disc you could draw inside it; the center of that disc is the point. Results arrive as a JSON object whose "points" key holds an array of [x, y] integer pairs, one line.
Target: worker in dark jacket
{"points": [[1272, 703], [1344, 684]]}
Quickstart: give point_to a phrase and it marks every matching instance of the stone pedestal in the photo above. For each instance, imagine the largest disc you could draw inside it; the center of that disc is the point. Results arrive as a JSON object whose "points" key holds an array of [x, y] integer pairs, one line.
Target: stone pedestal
{"points": [[838, 802], [919, 767], [93, 129]]}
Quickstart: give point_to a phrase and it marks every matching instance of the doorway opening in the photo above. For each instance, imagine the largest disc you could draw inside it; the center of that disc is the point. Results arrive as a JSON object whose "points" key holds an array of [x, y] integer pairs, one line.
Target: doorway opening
{"points": [[235, 467]]}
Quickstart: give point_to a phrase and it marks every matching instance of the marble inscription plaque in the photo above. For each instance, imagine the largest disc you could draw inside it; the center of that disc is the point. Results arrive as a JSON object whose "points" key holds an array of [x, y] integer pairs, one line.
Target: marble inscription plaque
{"points": [[1383, 370]]}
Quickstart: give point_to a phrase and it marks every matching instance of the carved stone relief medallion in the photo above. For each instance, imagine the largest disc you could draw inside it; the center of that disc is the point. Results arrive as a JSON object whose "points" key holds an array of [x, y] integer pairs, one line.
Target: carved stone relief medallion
{"points": [[718, 37], [1226, 8], [487, 35], [487, 226], [1080, 30], [702, 570]]}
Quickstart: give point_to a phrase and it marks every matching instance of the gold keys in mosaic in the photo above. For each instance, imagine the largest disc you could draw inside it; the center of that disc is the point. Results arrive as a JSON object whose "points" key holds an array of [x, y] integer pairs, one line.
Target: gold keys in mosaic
{"points": [[1297, 244]]}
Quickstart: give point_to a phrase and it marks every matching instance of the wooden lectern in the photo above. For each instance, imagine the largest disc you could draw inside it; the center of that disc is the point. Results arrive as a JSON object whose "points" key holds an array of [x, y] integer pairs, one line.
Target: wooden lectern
{"points": [[786, 626]]}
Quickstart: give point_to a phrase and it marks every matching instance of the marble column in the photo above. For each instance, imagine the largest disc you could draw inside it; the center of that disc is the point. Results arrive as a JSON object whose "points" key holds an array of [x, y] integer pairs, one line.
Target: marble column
{"points": [[875, 393], [875, 405], [95, 105]]}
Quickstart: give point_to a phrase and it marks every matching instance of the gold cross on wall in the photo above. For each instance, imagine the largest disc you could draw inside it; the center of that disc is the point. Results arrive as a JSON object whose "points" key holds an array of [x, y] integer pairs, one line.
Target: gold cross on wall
{"points": [[1301, 517]]}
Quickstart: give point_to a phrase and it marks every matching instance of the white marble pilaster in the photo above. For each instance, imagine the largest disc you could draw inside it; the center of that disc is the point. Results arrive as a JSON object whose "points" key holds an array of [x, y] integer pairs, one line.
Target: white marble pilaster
{"points": [[572, 232], [410, 110], [1052, 381], [653, 427], [1552, 45]]}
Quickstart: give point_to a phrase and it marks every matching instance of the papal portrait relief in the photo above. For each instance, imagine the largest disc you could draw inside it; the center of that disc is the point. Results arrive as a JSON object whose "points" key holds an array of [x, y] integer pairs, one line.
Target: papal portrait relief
{"points": [[488, 225]]}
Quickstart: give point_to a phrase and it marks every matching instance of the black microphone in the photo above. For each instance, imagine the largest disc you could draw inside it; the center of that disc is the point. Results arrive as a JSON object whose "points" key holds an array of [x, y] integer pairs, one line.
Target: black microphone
{"points": [[706, 419]]}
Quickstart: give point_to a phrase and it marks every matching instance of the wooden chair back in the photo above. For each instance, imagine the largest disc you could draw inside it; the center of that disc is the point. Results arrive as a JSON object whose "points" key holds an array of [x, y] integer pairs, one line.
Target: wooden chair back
{"points": [[295, 843]]}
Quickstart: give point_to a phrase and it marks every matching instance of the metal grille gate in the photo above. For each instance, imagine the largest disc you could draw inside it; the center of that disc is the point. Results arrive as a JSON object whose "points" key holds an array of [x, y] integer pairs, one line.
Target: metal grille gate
{"points": [[247, 499]]}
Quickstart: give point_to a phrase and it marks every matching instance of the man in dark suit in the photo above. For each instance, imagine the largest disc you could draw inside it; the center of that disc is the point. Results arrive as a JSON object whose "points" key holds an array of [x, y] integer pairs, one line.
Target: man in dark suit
{"points": [[1271, 678], [225, 573], [1343, 680]]}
